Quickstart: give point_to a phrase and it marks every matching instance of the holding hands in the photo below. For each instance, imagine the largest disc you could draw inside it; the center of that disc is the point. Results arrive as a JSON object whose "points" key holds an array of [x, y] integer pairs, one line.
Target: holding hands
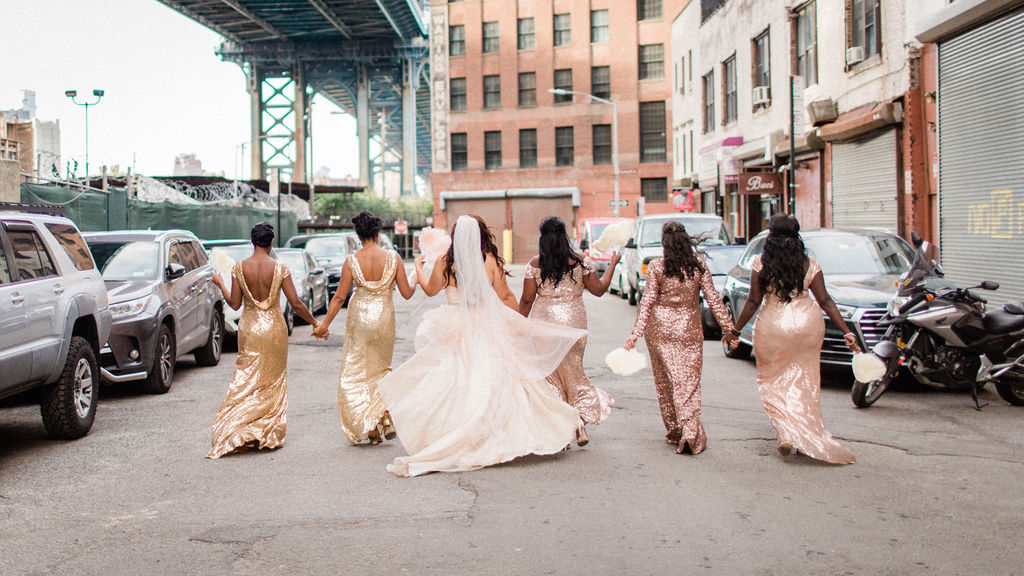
{"points": [[320, 331]]}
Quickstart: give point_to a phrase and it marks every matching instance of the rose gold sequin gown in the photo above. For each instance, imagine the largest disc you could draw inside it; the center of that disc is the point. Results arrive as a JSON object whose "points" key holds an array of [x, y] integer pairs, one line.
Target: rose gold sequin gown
{"points": [[669, 319], [563, 304], [369, 345], [253, 414], [787, 344]]}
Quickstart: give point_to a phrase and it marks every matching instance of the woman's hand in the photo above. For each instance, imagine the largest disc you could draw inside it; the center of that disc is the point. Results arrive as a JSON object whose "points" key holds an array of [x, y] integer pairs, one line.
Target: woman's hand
{"points": [[851, 342], [631, 342], [616, 256], [321, 331], [218, 280], [419, 261]]}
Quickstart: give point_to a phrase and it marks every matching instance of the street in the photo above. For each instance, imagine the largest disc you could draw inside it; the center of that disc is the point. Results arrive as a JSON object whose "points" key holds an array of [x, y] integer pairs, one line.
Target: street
{"points": [[935, 490]]}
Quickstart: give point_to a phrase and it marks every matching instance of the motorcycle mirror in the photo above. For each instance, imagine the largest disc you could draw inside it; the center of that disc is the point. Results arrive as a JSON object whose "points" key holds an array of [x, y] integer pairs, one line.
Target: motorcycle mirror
{"points": [[916, 239], [989, 285], [938, 269]]}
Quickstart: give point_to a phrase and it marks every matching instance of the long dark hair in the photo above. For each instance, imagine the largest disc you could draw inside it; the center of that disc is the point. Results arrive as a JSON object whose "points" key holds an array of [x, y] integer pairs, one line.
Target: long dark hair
{"points": [[487, 246], [557, 258], [680, 251], [784, 259]]}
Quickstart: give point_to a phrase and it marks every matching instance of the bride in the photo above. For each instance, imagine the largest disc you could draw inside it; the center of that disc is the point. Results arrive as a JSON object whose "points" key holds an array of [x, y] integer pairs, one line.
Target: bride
{"points": [[475, 394]]}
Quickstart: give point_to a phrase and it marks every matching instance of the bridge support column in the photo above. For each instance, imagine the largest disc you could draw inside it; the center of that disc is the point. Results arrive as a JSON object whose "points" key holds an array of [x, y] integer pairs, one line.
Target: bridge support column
{"points": [[255, 80], [409, 82], [299, 105], [363, 125]]}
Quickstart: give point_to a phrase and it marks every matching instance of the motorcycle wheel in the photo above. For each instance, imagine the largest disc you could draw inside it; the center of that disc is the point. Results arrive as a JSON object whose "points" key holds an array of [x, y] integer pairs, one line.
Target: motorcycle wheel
{"points": [[1011, 389], [865, 394]]}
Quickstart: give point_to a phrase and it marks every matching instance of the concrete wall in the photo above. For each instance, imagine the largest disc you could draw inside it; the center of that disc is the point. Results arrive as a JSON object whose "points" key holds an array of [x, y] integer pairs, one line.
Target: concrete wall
{"points": [[10, 181]]}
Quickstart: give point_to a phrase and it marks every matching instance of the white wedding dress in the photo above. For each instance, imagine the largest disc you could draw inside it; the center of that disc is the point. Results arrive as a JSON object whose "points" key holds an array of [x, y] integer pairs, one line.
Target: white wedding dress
{"points": [[475, 393]]}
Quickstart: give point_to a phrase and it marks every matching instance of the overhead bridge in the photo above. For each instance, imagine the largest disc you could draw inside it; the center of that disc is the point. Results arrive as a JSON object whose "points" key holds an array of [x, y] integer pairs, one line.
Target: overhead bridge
{"points": [[369, 57]]}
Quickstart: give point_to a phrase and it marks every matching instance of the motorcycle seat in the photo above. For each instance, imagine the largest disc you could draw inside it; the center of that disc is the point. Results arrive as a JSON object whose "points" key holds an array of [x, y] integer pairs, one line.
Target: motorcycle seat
{"points": [[1002, 322], [1014, 307]]}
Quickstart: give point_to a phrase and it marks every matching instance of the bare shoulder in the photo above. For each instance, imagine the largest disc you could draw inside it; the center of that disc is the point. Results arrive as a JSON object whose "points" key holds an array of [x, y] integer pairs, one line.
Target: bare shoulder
{"points": [[535, 261]]}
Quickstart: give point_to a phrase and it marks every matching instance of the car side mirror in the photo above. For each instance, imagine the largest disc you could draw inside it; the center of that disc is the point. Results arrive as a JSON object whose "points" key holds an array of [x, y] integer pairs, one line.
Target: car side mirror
{"points": [[316, 271], [631, 244], [584, 245], [175, 271]]}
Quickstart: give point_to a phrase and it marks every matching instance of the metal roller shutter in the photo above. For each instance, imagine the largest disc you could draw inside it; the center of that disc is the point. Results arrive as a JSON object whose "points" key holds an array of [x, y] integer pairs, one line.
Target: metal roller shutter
{"points": [[981, 146], [864, 185]]}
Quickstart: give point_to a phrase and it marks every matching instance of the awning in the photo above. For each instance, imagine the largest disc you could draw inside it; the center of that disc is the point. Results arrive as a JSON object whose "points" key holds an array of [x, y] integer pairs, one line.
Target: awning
{"points": [[811, 141], [758, 150], [555, 192], [861, 121]]}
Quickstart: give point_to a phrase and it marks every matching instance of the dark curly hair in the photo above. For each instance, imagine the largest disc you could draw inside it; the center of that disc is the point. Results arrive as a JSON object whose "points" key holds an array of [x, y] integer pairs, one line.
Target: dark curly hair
{"points": [[784, 259], [262, 235], [487, 246], [680, 251], [557, 258], [367, 225]]}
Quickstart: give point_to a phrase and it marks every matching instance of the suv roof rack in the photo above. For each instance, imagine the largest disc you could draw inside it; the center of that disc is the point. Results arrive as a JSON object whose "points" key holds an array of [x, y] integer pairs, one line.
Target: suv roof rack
{"points": [[51, 209]]}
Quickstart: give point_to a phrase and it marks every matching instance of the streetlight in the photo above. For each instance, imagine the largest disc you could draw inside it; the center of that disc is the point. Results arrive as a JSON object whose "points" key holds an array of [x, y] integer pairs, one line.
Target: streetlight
{"points": [[615, 137], [99, 95]]}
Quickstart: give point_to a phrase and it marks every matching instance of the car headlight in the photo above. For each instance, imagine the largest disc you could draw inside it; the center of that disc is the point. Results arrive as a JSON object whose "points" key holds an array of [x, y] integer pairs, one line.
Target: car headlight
{"points": [[846, 311], [129, 308], [895, 303]]}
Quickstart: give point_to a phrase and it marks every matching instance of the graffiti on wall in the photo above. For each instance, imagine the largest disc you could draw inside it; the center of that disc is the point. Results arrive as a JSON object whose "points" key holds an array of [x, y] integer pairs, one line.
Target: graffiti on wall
{"points": [[999, 217]]}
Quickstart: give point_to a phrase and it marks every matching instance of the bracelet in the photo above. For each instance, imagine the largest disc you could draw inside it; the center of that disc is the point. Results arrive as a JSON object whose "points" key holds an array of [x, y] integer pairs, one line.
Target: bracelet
{"points": [[848, 334], [735, 332]]}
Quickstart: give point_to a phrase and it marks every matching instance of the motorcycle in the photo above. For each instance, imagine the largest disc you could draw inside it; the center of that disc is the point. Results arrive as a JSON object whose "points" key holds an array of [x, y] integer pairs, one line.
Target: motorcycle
{"points": [[943, 336]]}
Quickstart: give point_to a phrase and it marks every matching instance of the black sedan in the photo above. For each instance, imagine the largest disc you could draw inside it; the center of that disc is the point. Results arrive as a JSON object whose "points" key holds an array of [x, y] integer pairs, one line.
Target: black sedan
{"points": [[860, 267], [720, 260]]}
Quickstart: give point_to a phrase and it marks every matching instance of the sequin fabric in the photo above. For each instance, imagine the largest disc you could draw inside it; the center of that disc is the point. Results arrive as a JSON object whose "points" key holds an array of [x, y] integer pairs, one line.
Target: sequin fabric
{"points": [[669, 319], [787, 343], [562, 304], [369, 346], [253, 413]]}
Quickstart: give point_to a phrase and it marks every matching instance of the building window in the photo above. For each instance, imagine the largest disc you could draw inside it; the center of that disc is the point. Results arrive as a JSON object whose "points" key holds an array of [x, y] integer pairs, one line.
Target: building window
{"points": [[527, 89], [806, 41], [490, 37], [457, 89], [563, 29], [526, 39], [492, 150], [599, 25], [457, 40], [654, 190], [460, 151], [652, 61], [729, 89], [864, 17], [492, 91], [528, 148], [648, 9], [762, 64], [682, 75], [653, 139], [602, 143], [601, 82], [564, 154], [709, 102], [563, 81]]}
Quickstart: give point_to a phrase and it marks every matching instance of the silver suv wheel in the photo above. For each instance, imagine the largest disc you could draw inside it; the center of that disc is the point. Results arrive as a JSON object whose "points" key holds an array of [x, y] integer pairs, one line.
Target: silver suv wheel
{"points": [[83, 387]]}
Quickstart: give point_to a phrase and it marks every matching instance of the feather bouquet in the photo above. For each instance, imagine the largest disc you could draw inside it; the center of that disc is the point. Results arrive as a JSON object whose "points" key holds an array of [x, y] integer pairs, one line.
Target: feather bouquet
{"points": [[625, 362], [614, 236], [868, 367], [221, 262], [434, 243]]}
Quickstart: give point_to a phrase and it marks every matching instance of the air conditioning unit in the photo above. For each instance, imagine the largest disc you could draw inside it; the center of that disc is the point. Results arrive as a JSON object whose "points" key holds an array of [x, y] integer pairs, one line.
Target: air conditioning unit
{"points": [[854, 55], [761, 95]]}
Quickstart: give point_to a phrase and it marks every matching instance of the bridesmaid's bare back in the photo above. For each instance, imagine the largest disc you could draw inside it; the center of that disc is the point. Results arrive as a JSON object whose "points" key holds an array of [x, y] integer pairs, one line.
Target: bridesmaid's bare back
{"points": [[258, 272], [372, 261]]}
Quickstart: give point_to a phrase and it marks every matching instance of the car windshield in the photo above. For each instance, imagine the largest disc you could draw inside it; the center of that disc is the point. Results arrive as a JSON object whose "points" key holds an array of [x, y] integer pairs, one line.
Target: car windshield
{"points": [[235, 251], [294, 261], [720, 262], [860, 255], [596, 230], [127, 261], [331, 247], [712, 230]]}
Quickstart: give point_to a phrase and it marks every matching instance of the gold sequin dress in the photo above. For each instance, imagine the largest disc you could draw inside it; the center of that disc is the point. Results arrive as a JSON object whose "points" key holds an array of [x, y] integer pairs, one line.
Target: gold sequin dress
{"points": [[369, 345], [563, 304], [669, 319], [253, 414], [787, 344]]}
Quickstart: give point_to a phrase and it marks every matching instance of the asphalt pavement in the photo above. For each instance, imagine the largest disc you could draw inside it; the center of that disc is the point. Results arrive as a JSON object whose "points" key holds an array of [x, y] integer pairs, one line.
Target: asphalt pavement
{"points": [[936, 488]]}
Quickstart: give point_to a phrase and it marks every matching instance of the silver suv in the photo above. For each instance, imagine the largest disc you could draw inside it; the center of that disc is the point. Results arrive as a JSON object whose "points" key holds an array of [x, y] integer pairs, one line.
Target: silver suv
{"points": [[53, 317]]}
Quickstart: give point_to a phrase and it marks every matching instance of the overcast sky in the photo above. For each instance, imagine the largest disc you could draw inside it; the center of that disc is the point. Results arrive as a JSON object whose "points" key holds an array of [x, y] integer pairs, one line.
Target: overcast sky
{"points": [[167, 92]]}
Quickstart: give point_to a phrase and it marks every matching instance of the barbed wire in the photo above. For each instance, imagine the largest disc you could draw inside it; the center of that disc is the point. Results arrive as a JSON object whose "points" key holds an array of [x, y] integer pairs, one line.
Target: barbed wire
{"points": [[226, 193]]}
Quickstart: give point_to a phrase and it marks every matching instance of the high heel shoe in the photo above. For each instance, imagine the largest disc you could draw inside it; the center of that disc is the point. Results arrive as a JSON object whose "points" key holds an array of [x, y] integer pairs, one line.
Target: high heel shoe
{"points": [[388, 426], [581, 436], [785, 449], [374, 436]]}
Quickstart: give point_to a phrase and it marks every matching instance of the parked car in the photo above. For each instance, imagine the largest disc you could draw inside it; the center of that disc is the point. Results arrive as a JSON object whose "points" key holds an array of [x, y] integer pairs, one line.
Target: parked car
{"points": [[163, 304], [720, 260], [53, 318], [308, 276], [330, 251], [589, 230], [646, 243], [240, 249], [860, 267]]}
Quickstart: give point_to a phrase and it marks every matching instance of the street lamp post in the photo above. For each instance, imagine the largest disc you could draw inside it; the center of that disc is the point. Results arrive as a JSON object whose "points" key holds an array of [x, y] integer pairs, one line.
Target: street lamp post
{"points": [[99, 96], [615, 137]]}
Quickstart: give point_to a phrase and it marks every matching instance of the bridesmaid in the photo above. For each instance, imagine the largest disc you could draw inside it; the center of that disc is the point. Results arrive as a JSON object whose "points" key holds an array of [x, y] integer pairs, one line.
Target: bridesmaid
{"points": [[369, 332], [787, 341], [669, 319], [253, 414], [553, 291]]}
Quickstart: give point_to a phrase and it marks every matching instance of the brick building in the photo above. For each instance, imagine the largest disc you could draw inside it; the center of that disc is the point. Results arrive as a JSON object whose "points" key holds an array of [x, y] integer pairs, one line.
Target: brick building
{"points": [[506, 148]]}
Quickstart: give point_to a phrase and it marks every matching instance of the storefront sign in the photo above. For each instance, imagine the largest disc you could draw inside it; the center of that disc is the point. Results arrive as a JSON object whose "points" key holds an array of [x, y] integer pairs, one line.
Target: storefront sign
{"points": [[760, 183], [682, 200]]}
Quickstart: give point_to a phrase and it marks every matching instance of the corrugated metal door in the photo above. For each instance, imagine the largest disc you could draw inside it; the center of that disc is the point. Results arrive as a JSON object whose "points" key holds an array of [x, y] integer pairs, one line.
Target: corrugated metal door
{"points": [[492, 210], [981, 146], [527, 214], [864, 185]]}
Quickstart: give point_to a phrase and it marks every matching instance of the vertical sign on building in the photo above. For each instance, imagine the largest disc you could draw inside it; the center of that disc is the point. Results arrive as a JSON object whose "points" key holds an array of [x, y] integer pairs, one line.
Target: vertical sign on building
{"points": [[796, 130], [798, 106], [439, 87]]}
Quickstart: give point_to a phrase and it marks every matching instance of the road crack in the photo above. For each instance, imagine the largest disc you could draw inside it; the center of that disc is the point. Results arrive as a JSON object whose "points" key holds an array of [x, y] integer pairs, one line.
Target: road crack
{"points": [[469, 515]]}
